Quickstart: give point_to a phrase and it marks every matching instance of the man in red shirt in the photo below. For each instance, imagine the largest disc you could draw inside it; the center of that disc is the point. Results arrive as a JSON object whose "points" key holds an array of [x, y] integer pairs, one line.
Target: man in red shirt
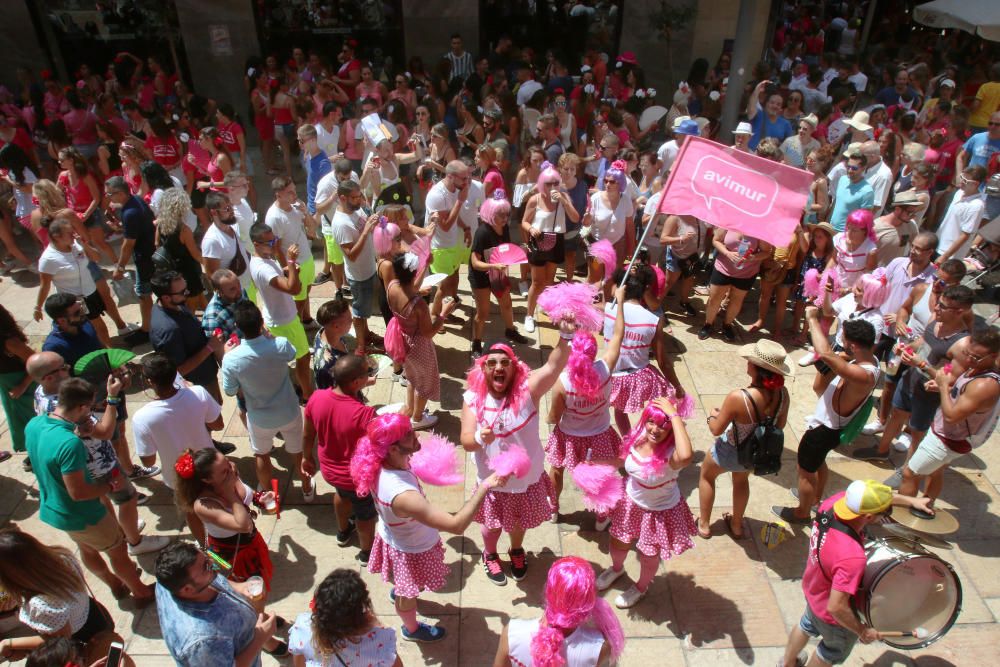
{"points": [[337, 420], [834, 570]]}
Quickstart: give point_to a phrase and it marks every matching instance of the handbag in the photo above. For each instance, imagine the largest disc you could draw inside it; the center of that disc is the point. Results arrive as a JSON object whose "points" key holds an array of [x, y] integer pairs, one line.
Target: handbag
{"points": [[544, 242], [125, 290], [238, 264], [761, 450], [163, 260]]}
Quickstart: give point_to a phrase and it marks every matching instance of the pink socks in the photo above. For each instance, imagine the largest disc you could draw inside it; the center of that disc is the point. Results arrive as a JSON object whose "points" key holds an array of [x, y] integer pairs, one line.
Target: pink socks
{"points": [[647, 570], [618, 558], [490, 539], [409, 618]]}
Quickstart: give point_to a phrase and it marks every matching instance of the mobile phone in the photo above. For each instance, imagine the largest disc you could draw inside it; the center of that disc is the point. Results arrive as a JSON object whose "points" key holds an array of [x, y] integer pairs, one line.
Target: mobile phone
{"points": [[115, 653]]}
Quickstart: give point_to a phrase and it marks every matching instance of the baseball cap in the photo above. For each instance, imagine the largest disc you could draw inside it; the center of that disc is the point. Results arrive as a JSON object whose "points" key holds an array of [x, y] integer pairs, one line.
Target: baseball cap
{"points": [[743, 128], [946, 82], [679, 120], [853, 149], [863, 497], [688, 127]]}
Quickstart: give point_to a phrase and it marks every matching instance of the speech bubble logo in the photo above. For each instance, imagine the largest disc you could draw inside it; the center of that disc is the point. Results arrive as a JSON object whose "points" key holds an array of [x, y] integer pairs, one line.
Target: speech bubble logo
{"points": [[739, 187]]}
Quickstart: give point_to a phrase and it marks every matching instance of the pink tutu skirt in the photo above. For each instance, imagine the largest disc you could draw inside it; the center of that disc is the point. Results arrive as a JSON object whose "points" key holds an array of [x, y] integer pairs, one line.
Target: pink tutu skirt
{"points": [[527, 509], [667, 532], [410, 573], [632, 391], [566, 451]]}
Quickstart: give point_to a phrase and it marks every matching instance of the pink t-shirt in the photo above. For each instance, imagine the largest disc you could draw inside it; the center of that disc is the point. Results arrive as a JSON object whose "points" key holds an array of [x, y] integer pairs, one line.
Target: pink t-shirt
{"points": [[843, 559], [340, 422], [82, 126]]}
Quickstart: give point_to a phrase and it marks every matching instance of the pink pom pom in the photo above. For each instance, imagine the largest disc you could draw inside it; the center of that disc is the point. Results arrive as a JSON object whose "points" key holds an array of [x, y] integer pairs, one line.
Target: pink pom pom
{"points": [[604, 253], [512, 461], [437, 462], [572, 299], [601, 485], [684, 407], [810, 284], [661, 282]]}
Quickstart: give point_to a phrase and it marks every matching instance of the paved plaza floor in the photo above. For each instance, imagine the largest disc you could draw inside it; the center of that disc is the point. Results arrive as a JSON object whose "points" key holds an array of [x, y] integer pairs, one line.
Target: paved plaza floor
{"points": [[721, 603]]}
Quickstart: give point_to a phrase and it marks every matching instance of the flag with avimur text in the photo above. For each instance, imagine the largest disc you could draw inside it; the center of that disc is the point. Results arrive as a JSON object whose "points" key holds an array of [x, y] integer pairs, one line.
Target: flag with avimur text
{"points": [[728, 188]]}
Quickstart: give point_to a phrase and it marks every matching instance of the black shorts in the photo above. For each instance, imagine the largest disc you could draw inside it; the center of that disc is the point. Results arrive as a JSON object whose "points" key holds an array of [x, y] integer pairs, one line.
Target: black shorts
{"points": [[815, 444], [364, 508], [555, 256], [719, 278], [95, 305]]}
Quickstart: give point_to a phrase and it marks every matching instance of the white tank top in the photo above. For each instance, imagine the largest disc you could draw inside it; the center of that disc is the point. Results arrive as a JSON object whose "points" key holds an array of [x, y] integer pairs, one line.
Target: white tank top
{"points": [[510, 428], [406, 535], [640, 329], [587, 416], [827, 414], [921, 314], [652, 492], [550, 221], [582, 648], [218, 531]]}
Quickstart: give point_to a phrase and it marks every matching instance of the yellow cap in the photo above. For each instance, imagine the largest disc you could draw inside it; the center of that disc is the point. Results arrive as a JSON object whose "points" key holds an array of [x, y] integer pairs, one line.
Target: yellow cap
{"points": [[863, 497]]}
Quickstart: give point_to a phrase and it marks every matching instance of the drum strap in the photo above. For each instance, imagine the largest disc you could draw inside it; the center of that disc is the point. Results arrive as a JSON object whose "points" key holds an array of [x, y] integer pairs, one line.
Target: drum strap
{"points": [[825, 521]]}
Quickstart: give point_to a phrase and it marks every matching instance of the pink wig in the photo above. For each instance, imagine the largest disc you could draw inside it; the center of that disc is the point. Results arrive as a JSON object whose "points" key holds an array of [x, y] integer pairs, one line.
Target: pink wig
{"points": [[617, 171], [517, 389], [864, 219], [874, 288], [382, 432], [580, 366], [570, 600], [547, 174], [383, 235], [638, 434], [497, 203]]}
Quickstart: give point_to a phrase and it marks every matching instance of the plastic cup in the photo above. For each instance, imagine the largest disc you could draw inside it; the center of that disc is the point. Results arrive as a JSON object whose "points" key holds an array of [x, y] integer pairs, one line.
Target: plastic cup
{"points": [[270, 506], [255, 588]]}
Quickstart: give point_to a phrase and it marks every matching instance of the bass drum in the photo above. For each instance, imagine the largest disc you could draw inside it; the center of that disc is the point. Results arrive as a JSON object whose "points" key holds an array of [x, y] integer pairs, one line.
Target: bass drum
{"points": [[906, 587]]}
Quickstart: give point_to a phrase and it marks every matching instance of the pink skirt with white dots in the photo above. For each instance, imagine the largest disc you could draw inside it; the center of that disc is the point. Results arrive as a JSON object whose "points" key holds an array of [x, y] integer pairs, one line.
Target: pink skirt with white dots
{"points": [[666, 533], [567, 451], [510, 511], [410, 573], [631, 392]]}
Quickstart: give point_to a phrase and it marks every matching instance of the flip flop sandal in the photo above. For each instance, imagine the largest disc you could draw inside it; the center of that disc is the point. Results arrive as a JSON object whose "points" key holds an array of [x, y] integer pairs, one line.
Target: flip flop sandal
{"points": [[728, 518], [706, 535]]}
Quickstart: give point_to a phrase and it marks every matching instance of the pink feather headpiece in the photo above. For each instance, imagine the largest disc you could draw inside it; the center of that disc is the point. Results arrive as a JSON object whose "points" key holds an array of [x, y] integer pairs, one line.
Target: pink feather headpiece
{"points": [[572, 299]]}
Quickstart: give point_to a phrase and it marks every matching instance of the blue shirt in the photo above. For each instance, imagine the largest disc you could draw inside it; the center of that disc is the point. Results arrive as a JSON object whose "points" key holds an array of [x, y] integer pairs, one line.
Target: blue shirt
{"points": [[72, 346], [850, 197], [319, 166], [259, 367], [980, 149], [780, 129], [206, 634]]}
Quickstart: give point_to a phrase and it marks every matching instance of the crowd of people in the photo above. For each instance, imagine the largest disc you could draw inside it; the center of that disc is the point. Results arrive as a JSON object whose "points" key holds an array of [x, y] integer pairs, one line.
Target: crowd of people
{"points": [[134, 189]]}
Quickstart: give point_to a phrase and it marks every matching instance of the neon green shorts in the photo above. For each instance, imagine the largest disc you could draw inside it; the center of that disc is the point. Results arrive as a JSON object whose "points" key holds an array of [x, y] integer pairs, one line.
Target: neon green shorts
{"points": [[334, 254], [296, 335], [307, 273], [448, 260]]}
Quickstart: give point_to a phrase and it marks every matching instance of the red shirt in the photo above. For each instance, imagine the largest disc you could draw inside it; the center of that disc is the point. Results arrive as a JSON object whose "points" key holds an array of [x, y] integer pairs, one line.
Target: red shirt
{"points": [[843, 559], [165, 151], [21, 140], [345, 69], [78, 198], [340, 421], [230, 135]]}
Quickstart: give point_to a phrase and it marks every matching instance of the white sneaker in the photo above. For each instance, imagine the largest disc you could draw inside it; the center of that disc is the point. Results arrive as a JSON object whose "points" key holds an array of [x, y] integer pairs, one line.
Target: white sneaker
{"points": [[426, 421], [902, 443], [873, 427], [629, 598], [128, 328], [529, 324], [148, 544], [310, 496], [808, 359], [600, 525], [608, 577]]}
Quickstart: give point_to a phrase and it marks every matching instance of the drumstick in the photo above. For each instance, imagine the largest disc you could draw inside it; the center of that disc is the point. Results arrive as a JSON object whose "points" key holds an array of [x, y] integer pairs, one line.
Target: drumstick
{"points": [[919, 633], [277, 502]]}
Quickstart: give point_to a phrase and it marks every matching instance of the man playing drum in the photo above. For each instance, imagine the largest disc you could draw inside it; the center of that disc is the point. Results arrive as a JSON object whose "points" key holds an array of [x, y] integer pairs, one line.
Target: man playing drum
{"points": [[834, 570]]}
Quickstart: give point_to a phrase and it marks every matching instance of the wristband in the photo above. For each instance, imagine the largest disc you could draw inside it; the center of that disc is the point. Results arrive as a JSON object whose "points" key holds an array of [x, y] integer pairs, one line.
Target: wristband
{"points": [[565, 336], [113, 400], [479, 439]]}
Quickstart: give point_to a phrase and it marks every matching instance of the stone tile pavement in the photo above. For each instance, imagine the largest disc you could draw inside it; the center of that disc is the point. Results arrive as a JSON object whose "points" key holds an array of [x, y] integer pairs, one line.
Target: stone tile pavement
{"points": [[722, 603]]}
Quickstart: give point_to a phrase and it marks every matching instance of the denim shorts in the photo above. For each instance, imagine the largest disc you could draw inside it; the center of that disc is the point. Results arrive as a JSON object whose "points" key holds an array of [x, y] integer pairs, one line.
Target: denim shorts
{"points": [[919, 403], [724, 454], [836, 643], [124, 494], [362, 297]]}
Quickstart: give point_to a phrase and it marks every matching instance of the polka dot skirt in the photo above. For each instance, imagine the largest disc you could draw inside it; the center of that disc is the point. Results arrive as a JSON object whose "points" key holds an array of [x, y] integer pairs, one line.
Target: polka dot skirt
{"points": [[666, 532], [508, 511], [566, 451], [631, 392], [410, 573]]}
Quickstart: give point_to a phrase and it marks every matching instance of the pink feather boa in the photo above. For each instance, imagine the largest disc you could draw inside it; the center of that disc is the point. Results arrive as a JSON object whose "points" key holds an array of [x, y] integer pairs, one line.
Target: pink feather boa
{"points": [[512, 461], [601, 485], [572, 299], [438, 462]]}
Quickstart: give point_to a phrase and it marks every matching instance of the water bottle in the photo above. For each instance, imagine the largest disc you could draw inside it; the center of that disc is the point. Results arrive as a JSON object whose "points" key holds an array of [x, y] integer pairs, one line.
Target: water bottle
{"points": [[743, 250], [892, 365]]}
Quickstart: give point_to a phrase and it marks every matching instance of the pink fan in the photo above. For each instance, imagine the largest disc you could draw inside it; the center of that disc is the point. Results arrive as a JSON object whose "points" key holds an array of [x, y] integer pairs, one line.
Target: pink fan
{"points": [[438, 462], [604, 253], [572, 299], [509, 254], [601, 485], [512, 461], [421, 247]]}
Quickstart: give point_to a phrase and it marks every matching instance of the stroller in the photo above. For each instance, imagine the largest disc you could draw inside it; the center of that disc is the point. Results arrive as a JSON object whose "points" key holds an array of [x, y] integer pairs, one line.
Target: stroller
{"points": [[983, 261]]}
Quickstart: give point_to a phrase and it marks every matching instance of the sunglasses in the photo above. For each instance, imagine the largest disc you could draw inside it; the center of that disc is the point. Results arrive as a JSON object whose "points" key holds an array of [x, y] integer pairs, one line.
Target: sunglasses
{"points": [[492, 363], [551, 183], [183, 292], [853, 167], [976, 357], [269, 244]]}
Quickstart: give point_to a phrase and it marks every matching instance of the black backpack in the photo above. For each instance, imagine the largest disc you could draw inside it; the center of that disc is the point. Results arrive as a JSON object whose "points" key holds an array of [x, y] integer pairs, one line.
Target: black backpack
{"points": [[761, 450]]}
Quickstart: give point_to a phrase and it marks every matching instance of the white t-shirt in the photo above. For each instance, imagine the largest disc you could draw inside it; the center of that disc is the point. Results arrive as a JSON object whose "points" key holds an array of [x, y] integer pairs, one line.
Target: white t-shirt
{"points": [[24, 204], [846, 309], [469, 213], [346, 231], [326, 188], [216, 244], [653, 236], [289, 226], [526, 90], [68, 270], [440, 199], [278, 307], [328, 141], [245, 218], [405, 534], [191, 220], [860, 81], [667, 153], [963, 215], [167, 427], [880, 178], [610, 224], [511, 427]]}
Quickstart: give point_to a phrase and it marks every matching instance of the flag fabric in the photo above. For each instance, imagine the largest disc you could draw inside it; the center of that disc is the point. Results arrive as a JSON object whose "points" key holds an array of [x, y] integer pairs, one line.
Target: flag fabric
{"points": [[734, 190]]}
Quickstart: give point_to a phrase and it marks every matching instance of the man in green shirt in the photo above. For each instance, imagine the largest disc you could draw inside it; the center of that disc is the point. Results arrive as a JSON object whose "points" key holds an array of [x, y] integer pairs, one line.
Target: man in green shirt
{"points": [[70, 500]]}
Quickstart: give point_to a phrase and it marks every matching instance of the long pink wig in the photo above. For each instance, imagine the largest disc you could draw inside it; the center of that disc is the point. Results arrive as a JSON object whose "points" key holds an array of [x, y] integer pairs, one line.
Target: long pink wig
{"points": [[382, 432], [383, 234], [580, 366], [638, 433], [497, 203], [874, 288], [570, 600], [548, 173], [517, 389], [864, 219]]}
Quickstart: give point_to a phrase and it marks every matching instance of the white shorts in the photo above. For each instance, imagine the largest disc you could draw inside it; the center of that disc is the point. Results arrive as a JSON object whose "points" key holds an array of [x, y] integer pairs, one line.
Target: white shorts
{"points": [[262, 439], [931, 456]]}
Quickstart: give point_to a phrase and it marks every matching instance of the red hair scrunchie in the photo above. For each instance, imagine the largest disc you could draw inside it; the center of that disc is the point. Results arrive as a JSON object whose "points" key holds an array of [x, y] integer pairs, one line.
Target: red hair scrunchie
{"points": [[185, 466], [774, 382]]}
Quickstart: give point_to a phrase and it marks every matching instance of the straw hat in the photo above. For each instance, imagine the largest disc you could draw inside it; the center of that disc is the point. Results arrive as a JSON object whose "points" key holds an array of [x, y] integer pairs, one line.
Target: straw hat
{"points": [[906, 198], [825, 226], [859, 121], [768, 355]]}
